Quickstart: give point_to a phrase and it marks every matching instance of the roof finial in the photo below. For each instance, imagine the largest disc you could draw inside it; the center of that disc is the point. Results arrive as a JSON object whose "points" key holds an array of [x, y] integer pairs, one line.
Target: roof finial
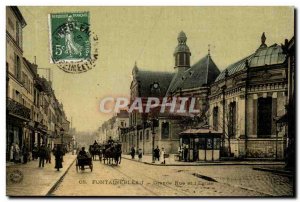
{"points": [[135, 65], [208, 49], [263, 41], [263, 38], [181, 38]]}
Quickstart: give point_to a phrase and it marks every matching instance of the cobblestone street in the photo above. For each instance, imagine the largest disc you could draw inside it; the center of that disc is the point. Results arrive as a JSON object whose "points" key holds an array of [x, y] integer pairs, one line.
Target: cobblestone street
{"points": [[133, 178]]}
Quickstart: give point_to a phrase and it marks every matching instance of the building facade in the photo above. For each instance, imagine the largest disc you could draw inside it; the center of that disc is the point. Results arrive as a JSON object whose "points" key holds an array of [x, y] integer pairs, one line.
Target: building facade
{"points": [[150, 130], [18, 94], [245, 100], [245, 103], [32, 110]]}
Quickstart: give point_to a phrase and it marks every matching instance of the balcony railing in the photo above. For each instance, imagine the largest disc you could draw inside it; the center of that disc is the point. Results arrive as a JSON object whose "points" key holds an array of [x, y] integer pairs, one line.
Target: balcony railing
{"points": [[17, 109]]}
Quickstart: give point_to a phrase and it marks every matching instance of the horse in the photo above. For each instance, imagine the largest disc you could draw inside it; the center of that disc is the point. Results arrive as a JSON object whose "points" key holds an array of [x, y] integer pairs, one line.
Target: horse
{"points": [[118, 153], [112, 153], [95, 150], [107, 154]]}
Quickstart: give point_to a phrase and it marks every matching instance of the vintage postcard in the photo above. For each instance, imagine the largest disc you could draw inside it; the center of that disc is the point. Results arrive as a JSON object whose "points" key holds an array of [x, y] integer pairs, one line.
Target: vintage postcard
{"points": [[150, 101]]}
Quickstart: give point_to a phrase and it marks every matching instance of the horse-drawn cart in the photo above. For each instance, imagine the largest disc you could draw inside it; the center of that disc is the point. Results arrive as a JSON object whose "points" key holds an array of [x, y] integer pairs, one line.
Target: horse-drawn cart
{"points": [[83, 161], [112, 152]]}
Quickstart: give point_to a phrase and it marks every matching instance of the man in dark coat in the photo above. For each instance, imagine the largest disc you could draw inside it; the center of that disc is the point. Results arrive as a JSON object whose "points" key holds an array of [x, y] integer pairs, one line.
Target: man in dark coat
{"points": [[42, 154], [48, 154], [132, 152], [34, 152], [82, 154], [156, 153], [185, 154], [110, 141], [95, 143], [25, 154], [58, 153]]}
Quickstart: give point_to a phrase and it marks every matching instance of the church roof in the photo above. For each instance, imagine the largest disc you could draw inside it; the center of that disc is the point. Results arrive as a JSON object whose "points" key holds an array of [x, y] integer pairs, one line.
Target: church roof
{"points": [[153, 84], [203, 72], [264, 55]]}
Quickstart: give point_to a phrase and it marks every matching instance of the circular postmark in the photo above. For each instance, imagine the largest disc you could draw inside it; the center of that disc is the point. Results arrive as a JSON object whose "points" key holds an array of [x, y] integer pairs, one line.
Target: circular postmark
{"points": [[73, 45], [16, 176]]}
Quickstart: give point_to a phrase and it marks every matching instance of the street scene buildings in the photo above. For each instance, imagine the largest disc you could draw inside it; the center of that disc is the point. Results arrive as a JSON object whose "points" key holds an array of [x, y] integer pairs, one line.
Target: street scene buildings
{"points": [[195, 128], [246, 103], [34, 115]]}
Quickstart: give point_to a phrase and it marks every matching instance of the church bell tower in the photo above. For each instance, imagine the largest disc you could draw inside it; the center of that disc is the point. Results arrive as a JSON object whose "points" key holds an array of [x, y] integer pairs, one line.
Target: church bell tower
{"points": [[182, 53]]}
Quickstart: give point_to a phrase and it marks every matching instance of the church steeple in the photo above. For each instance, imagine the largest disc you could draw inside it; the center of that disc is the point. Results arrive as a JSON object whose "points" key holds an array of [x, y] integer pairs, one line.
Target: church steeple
{"points": [[182, 53]]}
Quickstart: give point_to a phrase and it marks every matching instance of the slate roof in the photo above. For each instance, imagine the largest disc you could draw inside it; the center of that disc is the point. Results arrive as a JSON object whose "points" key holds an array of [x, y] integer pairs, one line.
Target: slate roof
{"points": [[263, 56], [149, 78], [203, 72]]}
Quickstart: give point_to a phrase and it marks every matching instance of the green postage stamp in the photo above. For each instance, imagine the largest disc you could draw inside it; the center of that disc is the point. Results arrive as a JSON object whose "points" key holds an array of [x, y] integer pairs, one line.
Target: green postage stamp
{"points": [[69, 37]]}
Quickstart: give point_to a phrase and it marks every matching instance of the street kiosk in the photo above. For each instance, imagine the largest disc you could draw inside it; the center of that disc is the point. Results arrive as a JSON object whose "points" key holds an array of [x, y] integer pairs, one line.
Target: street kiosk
{"points": [[203, 144]]}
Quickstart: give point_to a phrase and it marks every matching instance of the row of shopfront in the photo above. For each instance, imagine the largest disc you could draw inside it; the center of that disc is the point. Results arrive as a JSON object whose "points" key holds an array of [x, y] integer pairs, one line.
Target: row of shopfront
{"points": [[26, 133], [33, 114]]}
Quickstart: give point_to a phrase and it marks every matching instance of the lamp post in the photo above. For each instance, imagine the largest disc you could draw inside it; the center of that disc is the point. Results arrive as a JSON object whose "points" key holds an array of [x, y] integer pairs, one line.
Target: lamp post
{"points": [[154, 123], [153, 140], [145, 125]]}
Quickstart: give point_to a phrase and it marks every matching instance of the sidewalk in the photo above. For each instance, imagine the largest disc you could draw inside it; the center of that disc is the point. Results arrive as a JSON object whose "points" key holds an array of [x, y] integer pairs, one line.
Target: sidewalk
{"points": [[30, 180], [147, 159], [278, 170]]}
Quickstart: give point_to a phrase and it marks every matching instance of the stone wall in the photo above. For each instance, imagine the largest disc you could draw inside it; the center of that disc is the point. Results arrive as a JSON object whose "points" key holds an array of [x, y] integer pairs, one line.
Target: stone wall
{"points": [[265, 148]]}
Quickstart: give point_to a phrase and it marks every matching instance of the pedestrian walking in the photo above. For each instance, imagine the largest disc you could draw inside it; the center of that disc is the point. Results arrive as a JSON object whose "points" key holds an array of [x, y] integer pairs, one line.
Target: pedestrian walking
{"points": [[162, 156], [29, 158], [48, 154], [25, 153], [58, 153], [140, 154], [16, 154], [185, 153], [11, 152], [42, 155], [132, 152], [156, 153], [34, 152], [180, 153]]}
